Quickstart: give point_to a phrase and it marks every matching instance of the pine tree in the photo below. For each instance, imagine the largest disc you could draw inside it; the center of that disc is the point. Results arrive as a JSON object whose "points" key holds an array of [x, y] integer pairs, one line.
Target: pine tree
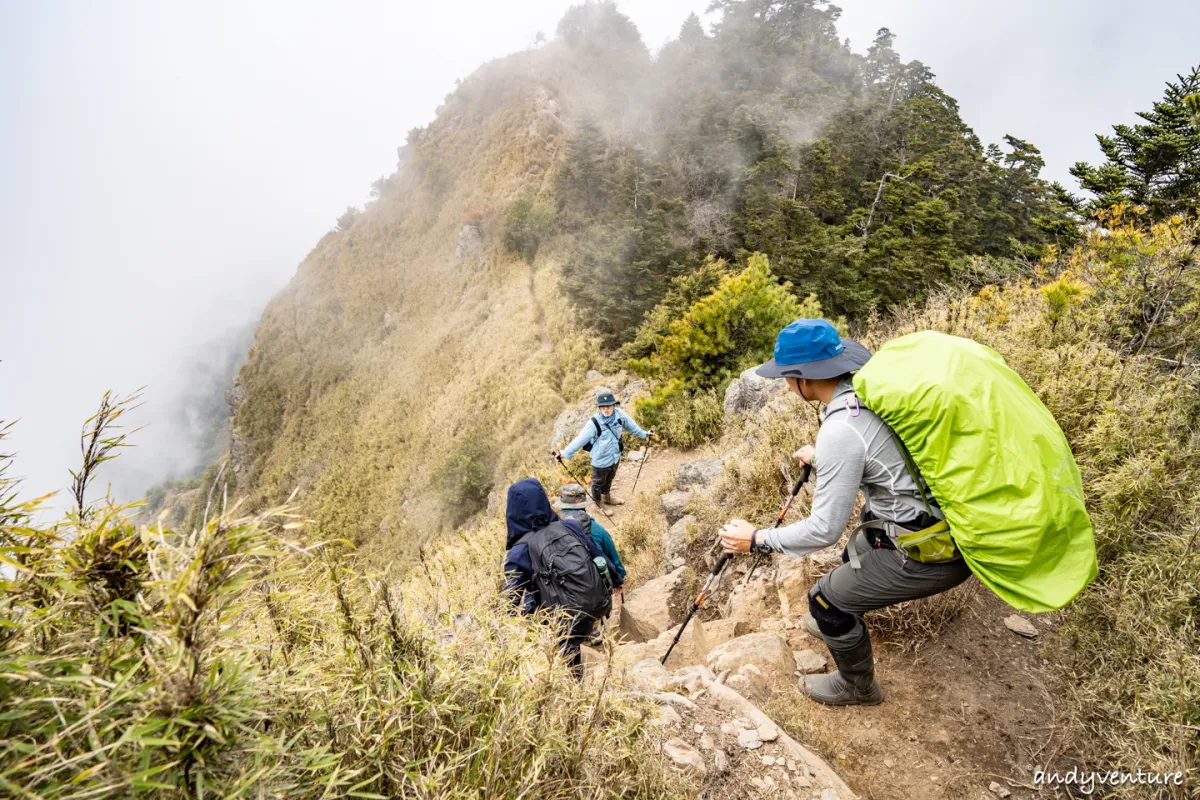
{"points": [[1155, 165]]}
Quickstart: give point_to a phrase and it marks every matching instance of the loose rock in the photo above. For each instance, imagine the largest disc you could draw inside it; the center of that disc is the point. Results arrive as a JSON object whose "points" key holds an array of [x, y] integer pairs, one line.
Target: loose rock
{"points": [[666, 716], [749, 739], [809, 661], [749, 392], [1020, 626], [684, 755], [768, 732], [998, 789], [720, 761]]}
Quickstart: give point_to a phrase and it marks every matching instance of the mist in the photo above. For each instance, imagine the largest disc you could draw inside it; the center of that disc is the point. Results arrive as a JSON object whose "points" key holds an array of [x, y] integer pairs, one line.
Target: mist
{"points": [[164, 169]]}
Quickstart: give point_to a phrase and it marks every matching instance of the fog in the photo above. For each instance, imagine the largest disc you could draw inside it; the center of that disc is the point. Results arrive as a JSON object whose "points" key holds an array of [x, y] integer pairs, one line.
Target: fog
{"points": [[163, 169]]}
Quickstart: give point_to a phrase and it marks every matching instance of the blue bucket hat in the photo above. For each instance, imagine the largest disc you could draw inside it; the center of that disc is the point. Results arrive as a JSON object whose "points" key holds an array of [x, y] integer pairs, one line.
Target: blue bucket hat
{"points": [[811, 348], [607, 399]]}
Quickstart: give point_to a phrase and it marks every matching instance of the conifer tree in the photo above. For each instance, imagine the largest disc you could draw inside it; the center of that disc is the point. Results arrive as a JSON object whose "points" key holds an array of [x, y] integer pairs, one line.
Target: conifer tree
{"points": [[1156, 164]]}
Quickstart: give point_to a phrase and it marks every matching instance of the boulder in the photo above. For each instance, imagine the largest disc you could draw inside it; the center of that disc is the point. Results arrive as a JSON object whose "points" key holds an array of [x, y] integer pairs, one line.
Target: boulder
{"points": [[751, 604], [699, 474], [649, 675], [655, 606], [593, 376], [673, 505], [793, 577], [769, 652], [720, 631], [749, 392], [677, 537]]}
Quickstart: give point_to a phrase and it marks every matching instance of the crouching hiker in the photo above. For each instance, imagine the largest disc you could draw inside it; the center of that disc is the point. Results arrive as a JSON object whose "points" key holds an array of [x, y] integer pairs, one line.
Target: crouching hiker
{"points": [[601, 437], [854, 450], [553, 564]]}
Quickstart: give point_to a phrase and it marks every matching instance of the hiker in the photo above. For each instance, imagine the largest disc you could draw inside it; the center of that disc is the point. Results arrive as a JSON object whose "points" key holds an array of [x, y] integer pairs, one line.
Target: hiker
{"points": [[573, 503], [601, 436], [541, 550], [854, 449]]}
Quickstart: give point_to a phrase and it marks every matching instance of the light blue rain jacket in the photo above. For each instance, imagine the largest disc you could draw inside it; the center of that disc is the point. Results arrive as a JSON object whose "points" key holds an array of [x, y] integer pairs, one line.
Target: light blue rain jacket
{"points": [[606, 450]]}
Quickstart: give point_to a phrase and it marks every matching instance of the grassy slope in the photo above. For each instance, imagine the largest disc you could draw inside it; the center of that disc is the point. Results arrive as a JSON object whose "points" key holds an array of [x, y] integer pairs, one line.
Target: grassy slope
{"points": [[361, 421]]}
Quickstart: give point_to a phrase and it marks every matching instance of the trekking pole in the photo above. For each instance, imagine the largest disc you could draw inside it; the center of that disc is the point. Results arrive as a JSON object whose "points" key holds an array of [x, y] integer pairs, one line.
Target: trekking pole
{"points": [[598, 505], [712, 577], [645, 458], [782, 514]]}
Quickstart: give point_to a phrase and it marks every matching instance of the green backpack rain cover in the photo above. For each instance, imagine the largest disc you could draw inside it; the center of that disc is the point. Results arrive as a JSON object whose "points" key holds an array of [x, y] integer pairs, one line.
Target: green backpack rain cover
{"points": [[995, 459]]}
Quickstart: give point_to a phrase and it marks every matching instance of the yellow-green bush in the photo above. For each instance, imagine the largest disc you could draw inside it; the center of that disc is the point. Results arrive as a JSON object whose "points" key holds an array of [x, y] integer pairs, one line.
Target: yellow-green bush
{"points": [[723, 333]]}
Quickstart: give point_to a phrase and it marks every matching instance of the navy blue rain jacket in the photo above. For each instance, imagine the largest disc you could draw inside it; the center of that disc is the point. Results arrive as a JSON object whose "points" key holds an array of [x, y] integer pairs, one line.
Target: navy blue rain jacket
{"points": [[528, 510]]}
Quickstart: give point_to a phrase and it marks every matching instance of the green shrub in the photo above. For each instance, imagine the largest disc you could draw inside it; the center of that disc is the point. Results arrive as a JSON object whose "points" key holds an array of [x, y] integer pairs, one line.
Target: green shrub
{"points": [[526, 224], [721, 334], [467, 475]]}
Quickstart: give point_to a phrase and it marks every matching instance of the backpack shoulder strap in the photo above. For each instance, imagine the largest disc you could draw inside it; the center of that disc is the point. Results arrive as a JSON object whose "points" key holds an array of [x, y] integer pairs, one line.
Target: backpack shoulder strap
{"points": [[599, 431]]}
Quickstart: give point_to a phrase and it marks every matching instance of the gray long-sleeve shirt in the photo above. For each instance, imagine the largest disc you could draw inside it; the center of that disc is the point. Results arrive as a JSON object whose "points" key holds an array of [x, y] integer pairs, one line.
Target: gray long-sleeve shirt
{"points": [[855, 449]]}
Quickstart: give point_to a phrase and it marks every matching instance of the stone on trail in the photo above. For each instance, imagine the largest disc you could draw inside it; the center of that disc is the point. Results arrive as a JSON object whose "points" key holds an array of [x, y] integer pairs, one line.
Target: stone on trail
{"points": [[830, 794], [665, 716], [998, 789], [673, 699], [720, 761], [650, 675], [809, 661], [673, 505], [684, 755], [767, 732], [1020, 626], [749, 682], [678, 536], [749, 739], [706, 742], [699, 474], [657, 605], [678, 562], [767, 651]]}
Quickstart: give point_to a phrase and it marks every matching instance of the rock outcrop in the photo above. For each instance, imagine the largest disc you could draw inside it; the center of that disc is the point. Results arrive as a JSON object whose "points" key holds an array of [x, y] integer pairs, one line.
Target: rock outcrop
{"points": [[656, 605], [749, 393], [700, 474]]}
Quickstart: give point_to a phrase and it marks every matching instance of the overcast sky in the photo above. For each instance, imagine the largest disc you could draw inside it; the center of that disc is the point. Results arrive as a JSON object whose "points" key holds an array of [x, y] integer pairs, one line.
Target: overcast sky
{"points": [[165, 166]]}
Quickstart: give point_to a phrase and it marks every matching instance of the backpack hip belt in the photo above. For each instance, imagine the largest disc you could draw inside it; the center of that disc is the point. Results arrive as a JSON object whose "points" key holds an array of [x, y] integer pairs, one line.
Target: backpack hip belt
{"points": [[932, 545]]}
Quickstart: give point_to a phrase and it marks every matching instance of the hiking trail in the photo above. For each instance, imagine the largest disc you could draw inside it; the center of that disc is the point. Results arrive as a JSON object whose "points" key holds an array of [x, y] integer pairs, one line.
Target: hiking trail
{"points": [[967, 705]]}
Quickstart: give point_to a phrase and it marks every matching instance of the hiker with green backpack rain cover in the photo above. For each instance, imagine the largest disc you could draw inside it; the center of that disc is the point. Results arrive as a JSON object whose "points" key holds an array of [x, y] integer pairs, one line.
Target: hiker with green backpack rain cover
{"points": [[962, 469]]}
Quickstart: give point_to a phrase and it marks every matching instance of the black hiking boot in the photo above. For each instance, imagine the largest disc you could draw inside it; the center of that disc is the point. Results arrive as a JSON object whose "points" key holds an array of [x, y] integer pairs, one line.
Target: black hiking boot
{"points": [[853, 684]]}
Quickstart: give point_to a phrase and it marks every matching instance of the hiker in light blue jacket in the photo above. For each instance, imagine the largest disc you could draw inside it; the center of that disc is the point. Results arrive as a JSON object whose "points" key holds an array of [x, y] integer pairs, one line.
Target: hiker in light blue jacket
{"points": [[602, 436]]}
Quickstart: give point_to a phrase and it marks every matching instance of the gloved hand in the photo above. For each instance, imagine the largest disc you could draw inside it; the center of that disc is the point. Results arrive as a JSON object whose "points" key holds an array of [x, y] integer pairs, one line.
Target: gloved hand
{"points": [[554, 454]]}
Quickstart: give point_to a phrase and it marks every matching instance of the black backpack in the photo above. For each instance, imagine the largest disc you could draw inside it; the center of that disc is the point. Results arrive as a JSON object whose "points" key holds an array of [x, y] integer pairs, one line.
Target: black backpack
{"points": [[565, 575]]}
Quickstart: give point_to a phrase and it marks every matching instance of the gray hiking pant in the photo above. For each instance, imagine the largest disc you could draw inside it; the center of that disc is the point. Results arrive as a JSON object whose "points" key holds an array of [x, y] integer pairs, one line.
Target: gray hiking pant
{"points": [[886, 577]]}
